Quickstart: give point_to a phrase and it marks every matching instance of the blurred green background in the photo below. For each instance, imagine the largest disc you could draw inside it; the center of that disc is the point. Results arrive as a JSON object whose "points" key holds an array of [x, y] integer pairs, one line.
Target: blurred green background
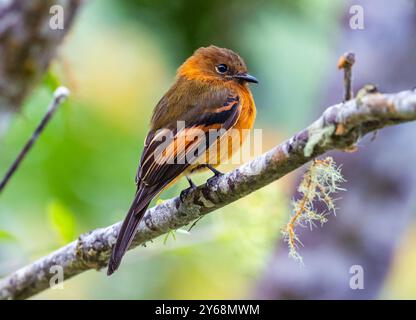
{"points": [[118, 61]]}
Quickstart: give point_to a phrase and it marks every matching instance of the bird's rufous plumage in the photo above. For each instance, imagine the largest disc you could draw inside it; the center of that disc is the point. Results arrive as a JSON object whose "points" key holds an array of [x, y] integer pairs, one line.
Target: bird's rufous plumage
{"points": [[210, 92]]}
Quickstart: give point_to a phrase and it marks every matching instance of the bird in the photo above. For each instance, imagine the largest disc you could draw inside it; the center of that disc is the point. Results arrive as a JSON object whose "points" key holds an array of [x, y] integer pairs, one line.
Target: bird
{"points": [[211, 93]]}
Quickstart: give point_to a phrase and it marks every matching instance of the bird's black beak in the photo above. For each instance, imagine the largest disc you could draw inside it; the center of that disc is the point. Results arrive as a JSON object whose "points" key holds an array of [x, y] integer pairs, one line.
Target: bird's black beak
{"points": [[245, 77]]}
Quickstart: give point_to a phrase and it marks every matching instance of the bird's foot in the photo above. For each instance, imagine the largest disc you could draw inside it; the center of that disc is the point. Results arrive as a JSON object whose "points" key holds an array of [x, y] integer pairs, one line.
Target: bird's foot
{"points": [[214, 171], [211, 181], [185, 192]]}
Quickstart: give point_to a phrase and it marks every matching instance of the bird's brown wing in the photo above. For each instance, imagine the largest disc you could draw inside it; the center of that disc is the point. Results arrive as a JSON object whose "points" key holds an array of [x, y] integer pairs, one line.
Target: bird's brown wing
{"points": [[221, 112], [219, 116]]}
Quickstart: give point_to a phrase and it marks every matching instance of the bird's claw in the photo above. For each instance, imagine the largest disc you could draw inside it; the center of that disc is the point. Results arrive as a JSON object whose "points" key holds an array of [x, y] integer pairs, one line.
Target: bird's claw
{"points": [[184, 193], [211, 181], [216, 172]]}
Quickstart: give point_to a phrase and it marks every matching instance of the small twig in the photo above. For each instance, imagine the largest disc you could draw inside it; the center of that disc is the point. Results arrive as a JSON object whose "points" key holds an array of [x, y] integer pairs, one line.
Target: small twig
{"points": [[59, 96], [346, 61], [194, 223]]}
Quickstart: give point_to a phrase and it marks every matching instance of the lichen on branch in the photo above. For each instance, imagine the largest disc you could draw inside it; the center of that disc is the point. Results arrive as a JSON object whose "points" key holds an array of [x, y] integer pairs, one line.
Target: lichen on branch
{"points": [[319, 184]]}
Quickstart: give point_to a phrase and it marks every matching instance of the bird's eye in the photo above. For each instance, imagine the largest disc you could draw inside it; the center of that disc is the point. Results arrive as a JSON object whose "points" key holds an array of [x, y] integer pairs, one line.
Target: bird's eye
{"points": [[221, 68]]}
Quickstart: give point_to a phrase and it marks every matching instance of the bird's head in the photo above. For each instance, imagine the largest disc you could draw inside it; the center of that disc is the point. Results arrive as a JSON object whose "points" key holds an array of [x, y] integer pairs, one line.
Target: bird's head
{"points": [[216, 64]]}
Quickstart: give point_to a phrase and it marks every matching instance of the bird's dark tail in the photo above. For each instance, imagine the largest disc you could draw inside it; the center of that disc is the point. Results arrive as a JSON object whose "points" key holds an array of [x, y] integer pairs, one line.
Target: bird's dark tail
{"points": [[129, 227]]}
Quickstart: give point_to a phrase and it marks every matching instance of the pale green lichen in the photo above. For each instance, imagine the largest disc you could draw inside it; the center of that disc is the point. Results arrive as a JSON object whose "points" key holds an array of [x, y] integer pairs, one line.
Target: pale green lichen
{"points": [[317, 135], [172, 233], [319, 183]]}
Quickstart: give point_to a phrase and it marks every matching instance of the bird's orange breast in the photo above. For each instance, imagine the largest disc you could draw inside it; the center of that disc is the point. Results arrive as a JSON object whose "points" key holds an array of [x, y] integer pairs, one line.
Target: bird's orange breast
{"points": [[248, 111], [243, 125], [227, 146]]}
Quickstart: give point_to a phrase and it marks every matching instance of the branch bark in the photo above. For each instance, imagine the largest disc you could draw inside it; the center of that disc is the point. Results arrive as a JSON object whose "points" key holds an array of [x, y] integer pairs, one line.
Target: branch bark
{"points": [[339, 127], [27, 45]]}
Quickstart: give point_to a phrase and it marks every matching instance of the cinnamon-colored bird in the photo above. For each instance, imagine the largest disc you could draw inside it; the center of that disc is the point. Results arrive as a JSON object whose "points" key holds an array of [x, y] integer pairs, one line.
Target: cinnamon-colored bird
{"points": [[211, 92]]}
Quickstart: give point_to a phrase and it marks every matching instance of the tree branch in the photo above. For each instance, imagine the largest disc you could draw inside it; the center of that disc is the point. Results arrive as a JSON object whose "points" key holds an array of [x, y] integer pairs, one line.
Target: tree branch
{"points": [[60, 94], [339, 127]]}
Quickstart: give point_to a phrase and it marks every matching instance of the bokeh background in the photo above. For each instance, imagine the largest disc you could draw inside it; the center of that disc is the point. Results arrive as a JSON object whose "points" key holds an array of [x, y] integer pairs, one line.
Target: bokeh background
{"points": [[119, 59]]}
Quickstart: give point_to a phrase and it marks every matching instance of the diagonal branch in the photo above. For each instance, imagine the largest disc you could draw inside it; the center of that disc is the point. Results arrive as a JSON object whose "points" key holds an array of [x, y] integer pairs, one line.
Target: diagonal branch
{"points": [[60, 94], [339, 127]]}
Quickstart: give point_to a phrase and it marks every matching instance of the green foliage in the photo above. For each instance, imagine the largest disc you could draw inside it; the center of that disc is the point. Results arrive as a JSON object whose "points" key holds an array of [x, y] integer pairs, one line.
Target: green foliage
{"points": [[6, 236], [51, 81], [62, 221]]}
